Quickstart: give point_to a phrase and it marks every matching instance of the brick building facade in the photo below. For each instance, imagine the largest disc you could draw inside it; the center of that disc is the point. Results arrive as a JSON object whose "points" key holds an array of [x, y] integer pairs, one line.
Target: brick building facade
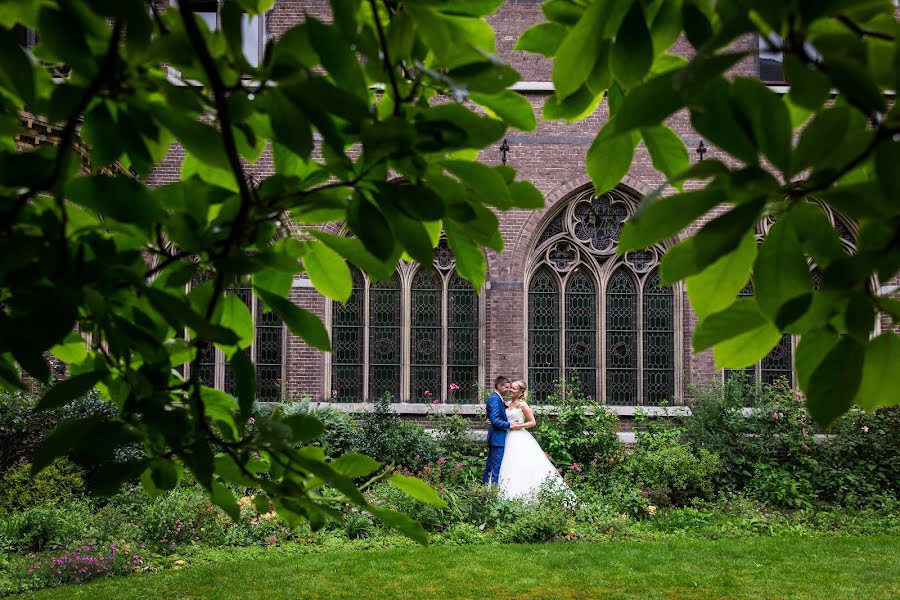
{"points": [[553, 158]]}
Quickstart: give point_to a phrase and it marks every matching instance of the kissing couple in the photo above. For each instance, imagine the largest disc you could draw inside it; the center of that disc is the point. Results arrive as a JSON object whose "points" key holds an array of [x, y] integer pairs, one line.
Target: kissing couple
{"points": [[515, 460]]}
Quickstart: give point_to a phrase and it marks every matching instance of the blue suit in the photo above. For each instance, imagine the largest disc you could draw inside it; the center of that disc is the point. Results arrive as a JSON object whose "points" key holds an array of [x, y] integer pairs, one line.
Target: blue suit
{"points": [[496, 437]]}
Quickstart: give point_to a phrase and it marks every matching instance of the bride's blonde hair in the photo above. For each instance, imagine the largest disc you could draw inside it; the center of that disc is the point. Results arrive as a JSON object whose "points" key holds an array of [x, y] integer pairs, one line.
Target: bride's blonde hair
{"points": [[524, 397]]}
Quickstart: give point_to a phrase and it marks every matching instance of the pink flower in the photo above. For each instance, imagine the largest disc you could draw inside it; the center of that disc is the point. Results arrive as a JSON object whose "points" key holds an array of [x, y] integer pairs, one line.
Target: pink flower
{"points": [[334, 394], [574, 466], [434, 401], [459, 466], [805, 433], [442, 460], [251, 420], [454, 387], [612, 460], [427, 394], [272, 540], [865, 429]]}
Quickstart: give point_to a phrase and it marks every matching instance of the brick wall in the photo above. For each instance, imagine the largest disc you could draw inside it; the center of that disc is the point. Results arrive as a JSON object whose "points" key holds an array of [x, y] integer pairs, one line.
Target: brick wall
{"points": [[552, 157]]}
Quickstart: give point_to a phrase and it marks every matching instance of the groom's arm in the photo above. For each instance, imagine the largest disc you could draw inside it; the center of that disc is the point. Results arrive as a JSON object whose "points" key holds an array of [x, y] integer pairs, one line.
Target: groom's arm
{"points": [[493, 410]]}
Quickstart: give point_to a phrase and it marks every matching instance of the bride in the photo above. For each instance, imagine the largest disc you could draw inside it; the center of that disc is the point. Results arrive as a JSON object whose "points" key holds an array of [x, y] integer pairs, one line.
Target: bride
{"points": [[525, 467]]}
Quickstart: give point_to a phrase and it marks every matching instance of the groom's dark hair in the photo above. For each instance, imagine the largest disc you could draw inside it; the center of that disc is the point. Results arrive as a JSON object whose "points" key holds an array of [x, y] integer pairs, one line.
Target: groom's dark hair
{"points": [[500, 381]]}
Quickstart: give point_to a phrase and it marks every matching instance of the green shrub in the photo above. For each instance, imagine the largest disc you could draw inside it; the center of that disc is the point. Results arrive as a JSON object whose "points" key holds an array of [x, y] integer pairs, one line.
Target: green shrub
{"points": [[534, 525], [777, 486], [463, 534], [359, 526], [675, 472], [747, 423], [583, 431], [59, 484], [182, 516], [384, 436], [454, 435], [40, 527], [388, 496], [861, 464]]}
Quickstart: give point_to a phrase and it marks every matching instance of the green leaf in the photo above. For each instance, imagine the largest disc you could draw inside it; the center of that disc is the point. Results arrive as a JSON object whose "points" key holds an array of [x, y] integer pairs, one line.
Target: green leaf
{"points": [[470, 261], [337, 57], [667, 150], [304, 427], [741, 316], [747, 348], [487, 77], [697, 27], [274, 282], [609, 159], [574, 108], [509, 106], [486, 184], [328, 272], [222, 497], [809, 87], [290, 126], [72, 350], [833, 384], [177, 312], [577, 53], [781, 272], [717, 238], [16, 72], [354, 464], [811, 350], [714, 117], [887, 159], [769, 120], [818, 139], [525, 195], [854, 81], [236, 317], [244, 382], [121, 198], [418, 489], [299, 321], [371, 227], [879, 387], [632, 52], [418, 202], [199, 139], [353, 250], [402, 523], [717, 286], [542, 38], [70, 389], [659, 218], [220, 407]]}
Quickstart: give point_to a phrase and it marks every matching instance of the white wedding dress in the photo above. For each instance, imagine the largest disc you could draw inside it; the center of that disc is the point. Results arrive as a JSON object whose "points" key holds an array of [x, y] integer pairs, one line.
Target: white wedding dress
{"points": [[525, 467]]}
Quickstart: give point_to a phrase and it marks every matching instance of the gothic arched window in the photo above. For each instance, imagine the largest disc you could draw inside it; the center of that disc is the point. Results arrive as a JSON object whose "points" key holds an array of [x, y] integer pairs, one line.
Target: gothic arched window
{"points": [[266, 350], [597, 317], [416, 338]]}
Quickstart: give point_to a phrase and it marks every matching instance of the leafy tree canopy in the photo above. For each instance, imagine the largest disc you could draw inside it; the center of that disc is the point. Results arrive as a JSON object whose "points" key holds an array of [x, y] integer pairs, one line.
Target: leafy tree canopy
{"points": [[371, 119]]}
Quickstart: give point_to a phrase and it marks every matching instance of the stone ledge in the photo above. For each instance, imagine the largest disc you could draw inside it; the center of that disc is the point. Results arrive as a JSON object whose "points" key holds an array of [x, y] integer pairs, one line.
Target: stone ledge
{"points": [[408, 408]]}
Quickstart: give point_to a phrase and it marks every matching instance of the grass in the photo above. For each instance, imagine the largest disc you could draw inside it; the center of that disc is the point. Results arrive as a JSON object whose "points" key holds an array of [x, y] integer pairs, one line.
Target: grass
{"points": [[796, 568]]}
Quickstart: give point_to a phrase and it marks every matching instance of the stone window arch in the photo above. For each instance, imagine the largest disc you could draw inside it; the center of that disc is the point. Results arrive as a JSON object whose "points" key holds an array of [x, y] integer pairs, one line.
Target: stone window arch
{"points": [[598, 318]]}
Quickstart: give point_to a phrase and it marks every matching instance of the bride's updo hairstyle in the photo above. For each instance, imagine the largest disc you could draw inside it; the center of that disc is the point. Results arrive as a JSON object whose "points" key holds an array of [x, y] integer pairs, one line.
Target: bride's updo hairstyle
{"points": [[524, 397]]}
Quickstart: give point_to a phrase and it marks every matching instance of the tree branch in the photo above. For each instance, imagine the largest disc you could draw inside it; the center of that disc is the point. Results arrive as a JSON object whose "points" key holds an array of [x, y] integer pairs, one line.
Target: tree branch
{"points": [[382, 39], [862, 32]]}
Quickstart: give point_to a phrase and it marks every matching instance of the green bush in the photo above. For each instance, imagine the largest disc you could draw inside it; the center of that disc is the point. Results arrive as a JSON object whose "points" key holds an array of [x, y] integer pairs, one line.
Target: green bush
{"points": [[534, 525], [455, 438], [388, 496], [749, 423], [384, 436], [861, 464], [777, 486], [59, 484], [182, 516], [583, 432], [41, 527], [674, 471]]}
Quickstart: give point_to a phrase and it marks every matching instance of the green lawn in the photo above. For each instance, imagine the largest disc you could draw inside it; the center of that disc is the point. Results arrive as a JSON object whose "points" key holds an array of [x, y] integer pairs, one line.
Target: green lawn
{"points": [[814, 568]]}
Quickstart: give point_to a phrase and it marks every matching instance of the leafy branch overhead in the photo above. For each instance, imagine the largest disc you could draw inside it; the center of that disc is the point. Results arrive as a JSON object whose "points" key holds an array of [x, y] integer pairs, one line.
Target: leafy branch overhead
{"points": [[833, 139], [351, 112]]}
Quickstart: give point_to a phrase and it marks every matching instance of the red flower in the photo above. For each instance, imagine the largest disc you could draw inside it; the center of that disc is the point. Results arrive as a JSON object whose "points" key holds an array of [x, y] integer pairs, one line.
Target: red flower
{"points": [[427, 394]]}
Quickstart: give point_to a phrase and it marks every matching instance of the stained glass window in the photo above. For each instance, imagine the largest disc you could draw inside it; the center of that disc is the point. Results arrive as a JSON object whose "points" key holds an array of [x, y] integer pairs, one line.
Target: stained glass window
{"points": [[269, 363], [659, 341], [778, 364], [384, 339], [621, 339], [581, 331], [347, 344], [246, 296], [425, 336], [543, 334], [462, 341]]}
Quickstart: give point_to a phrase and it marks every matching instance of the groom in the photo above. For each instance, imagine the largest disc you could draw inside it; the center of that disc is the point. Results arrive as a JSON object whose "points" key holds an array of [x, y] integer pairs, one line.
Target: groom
{"points": [[496, 437]]}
